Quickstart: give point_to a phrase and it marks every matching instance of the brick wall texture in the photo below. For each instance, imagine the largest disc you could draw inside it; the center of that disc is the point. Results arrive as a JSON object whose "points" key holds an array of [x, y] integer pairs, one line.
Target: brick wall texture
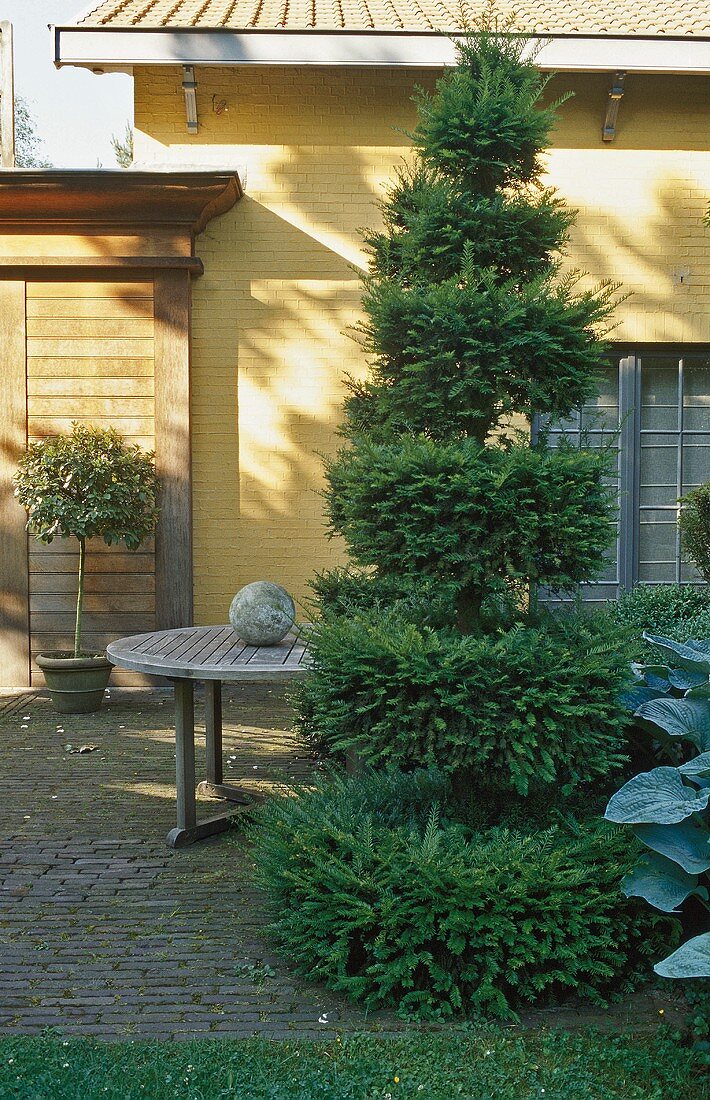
{"points": [[315, 149]]}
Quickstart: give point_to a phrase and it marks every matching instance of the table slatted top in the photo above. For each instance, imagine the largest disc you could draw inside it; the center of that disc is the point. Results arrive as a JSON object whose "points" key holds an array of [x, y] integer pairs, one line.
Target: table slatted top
{"points": [[211, 653]]}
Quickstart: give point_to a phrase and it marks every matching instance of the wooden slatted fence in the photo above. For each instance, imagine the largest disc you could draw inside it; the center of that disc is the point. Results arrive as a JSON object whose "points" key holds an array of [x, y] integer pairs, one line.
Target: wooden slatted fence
{"points": [[90, 357]]}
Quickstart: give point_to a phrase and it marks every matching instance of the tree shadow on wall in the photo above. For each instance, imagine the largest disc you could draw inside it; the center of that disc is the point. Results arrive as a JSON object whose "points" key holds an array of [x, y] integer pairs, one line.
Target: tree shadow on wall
{"points": [[645, 253], [289, 299]]}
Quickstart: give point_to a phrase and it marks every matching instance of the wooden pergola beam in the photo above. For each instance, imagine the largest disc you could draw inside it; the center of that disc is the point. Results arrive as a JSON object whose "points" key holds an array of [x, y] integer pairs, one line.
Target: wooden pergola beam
{"points": [[80, 200], [36, 265]]}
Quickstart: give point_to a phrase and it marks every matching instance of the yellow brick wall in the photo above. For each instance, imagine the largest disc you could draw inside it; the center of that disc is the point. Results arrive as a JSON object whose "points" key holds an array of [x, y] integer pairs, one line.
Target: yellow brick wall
{"points": [[315, 148]]}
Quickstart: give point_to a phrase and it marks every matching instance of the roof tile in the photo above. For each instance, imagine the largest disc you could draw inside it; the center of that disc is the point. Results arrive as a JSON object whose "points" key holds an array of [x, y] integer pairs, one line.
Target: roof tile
{"points": [[590, 17]]}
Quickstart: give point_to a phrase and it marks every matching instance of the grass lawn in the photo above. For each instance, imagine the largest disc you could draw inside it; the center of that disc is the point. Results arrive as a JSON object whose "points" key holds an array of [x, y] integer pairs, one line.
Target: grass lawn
{"points": [[486, 1065]]}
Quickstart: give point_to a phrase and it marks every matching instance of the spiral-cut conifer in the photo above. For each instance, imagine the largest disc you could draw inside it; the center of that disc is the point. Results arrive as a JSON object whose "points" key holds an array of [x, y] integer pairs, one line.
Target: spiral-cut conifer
{"points": [[468, 324]]}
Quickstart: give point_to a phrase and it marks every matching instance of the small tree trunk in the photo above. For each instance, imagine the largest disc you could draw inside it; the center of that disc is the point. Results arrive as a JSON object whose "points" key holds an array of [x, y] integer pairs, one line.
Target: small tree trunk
{"points": [[468, 610], [79, 599]]}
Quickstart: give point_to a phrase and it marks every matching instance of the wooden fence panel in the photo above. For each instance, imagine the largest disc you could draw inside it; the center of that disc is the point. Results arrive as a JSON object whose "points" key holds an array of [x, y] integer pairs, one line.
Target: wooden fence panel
{"points": [[90, 357]]}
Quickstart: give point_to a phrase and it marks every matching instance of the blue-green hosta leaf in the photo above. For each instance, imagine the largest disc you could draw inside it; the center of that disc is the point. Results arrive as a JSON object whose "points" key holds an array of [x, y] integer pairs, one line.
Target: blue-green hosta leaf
{"points": [[685, 842], [701, 691], [697, 768], [656, 677], [683, 680], [660, 882], [689, 718], [659, 796], [691, 960], [639, 669], [634, 697], [693, 655]]}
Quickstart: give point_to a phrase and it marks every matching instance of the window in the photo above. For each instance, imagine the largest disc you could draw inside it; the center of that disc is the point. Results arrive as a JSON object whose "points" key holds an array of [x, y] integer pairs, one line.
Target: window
{"points": [[653, 407]]}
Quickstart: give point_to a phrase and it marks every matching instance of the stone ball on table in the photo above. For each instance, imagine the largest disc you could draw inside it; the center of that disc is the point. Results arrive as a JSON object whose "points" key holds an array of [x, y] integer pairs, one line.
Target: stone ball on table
{"points": [[262, 613]]}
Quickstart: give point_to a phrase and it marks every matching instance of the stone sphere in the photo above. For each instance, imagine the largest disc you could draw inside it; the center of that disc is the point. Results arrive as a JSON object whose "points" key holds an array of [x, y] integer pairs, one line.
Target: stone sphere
{"points": [[262, 613]]}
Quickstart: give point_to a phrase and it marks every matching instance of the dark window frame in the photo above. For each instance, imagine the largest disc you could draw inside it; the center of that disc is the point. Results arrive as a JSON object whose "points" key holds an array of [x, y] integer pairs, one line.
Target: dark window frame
{"points": [[629, 358]]}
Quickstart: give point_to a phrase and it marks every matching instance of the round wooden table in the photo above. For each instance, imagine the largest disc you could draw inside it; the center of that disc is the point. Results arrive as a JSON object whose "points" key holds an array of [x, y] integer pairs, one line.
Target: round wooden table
{"points": [[212, 654]]}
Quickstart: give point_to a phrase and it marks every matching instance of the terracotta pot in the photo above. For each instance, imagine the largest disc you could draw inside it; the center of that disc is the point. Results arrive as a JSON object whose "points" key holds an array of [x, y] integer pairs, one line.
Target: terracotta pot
{"points": [[76, 684]]}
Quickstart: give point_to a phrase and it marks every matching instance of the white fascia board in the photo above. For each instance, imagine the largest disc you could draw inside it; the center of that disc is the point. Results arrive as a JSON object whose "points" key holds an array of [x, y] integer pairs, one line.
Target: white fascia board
{"points": [[111, 48]]}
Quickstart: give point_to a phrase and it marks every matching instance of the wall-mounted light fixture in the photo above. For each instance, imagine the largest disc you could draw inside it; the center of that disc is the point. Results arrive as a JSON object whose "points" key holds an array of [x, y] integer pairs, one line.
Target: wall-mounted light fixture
{"points": [[189, 86], [616, 94], [219, 105]]}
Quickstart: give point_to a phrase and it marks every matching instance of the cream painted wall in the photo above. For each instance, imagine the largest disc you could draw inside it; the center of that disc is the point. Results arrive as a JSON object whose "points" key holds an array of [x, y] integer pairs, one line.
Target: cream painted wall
{"points": [[270, 345]]}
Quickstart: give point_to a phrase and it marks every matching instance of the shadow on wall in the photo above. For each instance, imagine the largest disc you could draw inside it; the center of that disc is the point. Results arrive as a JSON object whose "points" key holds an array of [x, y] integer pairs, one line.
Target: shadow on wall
{"points": [[661, 235], [293, 298], [272, 340], [279, 293]]}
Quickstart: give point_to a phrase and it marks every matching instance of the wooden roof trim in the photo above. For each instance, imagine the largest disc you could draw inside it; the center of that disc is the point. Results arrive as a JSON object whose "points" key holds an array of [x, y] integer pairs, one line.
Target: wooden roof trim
{"points": [[123, 263], [82, 199]]}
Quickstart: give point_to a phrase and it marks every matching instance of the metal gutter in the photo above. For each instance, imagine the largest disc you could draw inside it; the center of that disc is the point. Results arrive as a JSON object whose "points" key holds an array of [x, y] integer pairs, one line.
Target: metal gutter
{"points": [[110, 48]]}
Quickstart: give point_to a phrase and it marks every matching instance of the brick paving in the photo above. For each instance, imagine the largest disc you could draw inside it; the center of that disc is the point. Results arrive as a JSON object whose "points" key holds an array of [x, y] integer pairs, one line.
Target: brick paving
{"points": [[105, 931]]}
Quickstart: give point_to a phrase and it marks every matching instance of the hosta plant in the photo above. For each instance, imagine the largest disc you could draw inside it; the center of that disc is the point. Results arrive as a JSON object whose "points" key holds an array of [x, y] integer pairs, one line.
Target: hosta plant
{"points": [[668, 806]]}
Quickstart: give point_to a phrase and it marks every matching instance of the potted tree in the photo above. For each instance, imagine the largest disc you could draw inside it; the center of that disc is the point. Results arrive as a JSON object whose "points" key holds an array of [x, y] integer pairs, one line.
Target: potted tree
{"points": [[88, 484]]}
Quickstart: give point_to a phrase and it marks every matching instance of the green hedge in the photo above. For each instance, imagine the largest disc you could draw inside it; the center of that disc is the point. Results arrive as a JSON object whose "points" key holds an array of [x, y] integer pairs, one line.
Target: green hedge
{"points": [[376, 894], [536, 704], [677, 611], [694, 522]]}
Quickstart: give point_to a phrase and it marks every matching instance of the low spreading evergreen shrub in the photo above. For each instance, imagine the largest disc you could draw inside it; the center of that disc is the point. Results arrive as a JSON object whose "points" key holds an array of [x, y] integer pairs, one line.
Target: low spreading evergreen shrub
{"points": [[538, 702], [677, 611], [374, 891]]}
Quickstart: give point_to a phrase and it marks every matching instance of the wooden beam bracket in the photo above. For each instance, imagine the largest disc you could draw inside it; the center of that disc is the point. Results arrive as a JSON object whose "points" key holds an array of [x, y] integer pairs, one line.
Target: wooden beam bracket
{"points": [[189, 87]]}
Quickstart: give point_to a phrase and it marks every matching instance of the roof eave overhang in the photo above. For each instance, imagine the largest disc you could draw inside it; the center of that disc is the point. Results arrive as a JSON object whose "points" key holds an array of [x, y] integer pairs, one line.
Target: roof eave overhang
{"points": [[73, 199], [117, 49]]}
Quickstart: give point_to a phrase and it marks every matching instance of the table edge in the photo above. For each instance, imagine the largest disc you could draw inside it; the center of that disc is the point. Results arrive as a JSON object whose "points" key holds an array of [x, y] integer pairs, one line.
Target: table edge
{"points": [[254, 672]]}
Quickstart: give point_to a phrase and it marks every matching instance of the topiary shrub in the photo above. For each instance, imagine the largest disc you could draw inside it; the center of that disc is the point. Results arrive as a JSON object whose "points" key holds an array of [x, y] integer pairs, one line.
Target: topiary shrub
{"points": [[430, 654], [348, 591], [374, 891], [526, 705]]}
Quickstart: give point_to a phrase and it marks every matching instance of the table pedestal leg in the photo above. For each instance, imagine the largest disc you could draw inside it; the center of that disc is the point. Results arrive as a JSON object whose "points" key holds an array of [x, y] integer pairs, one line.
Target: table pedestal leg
{"points": [[214, 786], [189, 828], [213, 730], [184, 760]]}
